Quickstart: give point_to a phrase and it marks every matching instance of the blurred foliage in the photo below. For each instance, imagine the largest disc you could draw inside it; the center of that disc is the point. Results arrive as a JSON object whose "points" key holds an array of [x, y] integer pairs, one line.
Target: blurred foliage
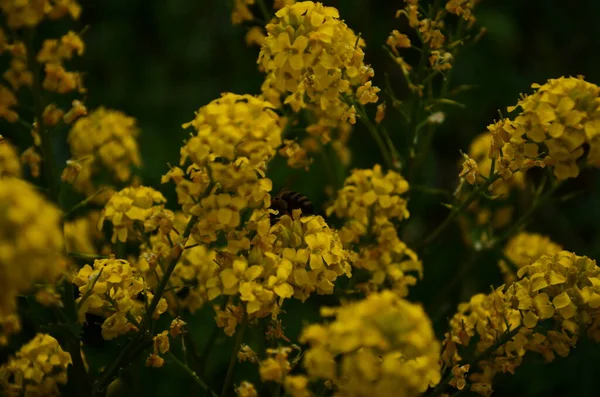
{"points": [[159, 61]]}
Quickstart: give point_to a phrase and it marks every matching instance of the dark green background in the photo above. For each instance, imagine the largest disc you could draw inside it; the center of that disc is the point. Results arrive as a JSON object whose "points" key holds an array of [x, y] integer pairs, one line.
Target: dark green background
{"points": [[159, 61]]}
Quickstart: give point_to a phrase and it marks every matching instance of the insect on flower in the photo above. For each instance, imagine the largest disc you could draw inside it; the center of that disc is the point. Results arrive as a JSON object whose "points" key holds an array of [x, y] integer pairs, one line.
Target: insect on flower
{"points": [[286, 201]]}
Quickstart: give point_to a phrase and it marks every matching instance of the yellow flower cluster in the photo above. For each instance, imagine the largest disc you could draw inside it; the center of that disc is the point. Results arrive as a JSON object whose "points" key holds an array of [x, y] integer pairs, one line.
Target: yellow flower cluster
{"points": [[554, 124], [9, 325], [236, 135], [30, 13], [380, 346], [246, 389], [9, 160], [160, 346], [133, 204], [312, 58], [17, 74], [276, 368], [293, 258], [369, 203], [31, 240], [7, 101], [52, 56], [524, 249], [105, 140], [82, 234], [114, 289], [563, 288], [38, 369]]}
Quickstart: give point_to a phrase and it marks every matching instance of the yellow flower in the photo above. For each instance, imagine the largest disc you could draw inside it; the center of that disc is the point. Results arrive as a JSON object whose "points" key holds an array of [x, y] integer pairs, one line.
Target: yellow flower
{"points": [[382, 345], [562, 288], [177, 327], [103, 140], [524, 249], [241, 11], [470, 170], [131, 205], [7, 101], [311, 56], [9, 160], [9, 325], [397, 40], [31, 234], [246, 389], [38, 369], [556, 121], [276, 366], [113, 288]]}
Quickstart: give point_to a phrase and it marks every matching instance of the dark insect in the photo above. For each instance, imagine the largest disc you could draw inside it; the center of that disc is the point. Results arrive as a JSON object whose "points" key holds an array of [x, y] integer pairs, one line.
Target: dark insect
{"points": [[287, 201]]}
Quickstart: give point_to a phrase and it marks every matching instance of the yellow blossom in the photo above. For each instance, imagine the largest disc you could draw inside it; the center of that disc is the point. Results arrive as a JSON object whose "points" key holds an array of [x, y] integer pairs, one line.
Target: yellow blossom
{"points": [[177, 327], [246, 389], [103, 140], [31, 235], [382, 345], [9, 160], [524, 249], [470, 170], [38, 369], [7, 101], [131, 205]]}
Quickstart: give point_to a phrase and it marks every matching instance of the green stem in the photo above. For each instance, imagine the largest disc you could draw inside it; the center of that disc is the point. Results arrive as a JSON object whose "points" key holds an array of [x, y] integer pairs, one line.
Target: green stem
{"points": [[191, 373], [457, 211], [38, 105], [364, 118], [176, 254], [233, 359], [264, 10]]}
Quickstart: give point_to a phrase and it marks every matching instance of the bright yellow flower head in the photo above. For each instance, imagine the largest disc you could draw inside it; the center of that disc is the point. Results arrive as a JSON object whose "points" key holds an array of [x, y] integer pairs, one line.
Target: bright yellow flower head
{"points": [[9, 160], [104, 140], [380, 346], [31, 240], [38, 369], [130, 205], [29, 13], [562, 288], [114, 289], [524, 249], [554, 124], [312, 57]]}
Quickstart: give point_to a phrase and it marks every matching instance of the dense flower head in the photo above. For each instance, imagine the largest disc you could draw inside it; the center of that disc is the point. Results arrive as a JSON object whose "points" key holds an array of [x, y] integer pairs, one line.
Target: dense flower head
{"points": [[141, 205], [9, 325], [293, 258], [312, 57], [104, 140], [369, 197], [523, 249], [29, 13], [235, 136], [382, 345], [31, 240], [368, 203], [38, 369], [9, 160], [559, 292], [116, 290], [554, 124]]}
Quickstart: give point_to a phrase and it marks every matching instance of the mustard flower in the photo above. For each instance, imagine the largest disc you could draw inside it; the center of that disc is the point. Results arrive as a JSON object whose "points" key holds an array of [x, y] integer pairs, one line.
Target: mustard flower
{"points": [[276, 366], [116, 290], [103, 140], [553, 125], [524, 249], [382, 345], [31, 12], [9, 325], [246, 389], [177, 327], [561, 288], [297, 156], [470, 171], [9, 160], [7, 101], [31, 234], [312, 57], [241, 11], [38, 369], [369, 197], [81, 234], [160, 346], [130, 205]]}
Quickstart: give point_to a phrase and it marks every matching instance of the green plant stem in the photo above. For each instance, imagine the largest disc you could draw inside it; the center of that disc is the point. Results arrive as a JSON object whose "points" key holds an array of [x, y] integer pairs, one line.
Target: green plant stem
{"points": [[38, 106], [264, 10], [83, 203], [175, 255], [233, 359], [439, 389], [191, 373], [364, 118], [457, 211]]}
